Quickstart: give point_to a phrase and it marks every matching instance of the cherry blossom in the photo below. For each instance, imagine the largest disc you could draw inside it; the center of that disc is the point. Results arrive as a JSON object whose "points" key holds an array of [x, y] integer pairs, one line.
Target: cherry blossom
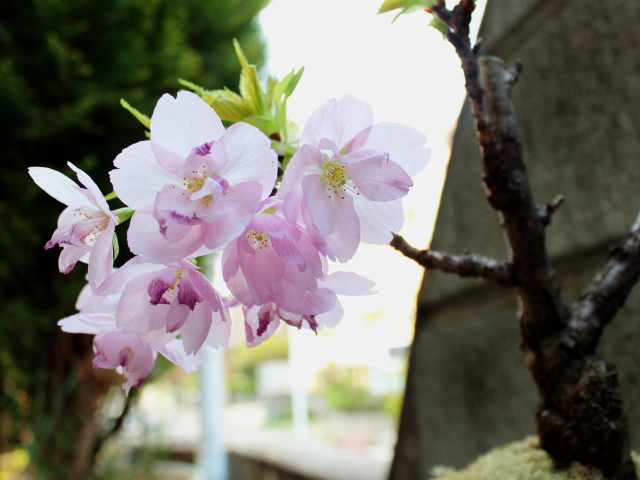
{"points": [[262, 321], [132, 357], [347, 179], [194, 183], [161, 301], [275, 261], [85, 228]]}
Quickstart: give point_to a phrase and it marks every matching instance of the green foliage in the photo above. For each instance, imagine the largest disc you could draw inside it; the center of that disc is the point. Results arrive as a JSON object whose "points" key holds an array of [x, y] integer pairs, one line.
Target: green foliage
{"points": [[405, 6], [345, 388], [241, 364], [64, 66], [265, 109]]}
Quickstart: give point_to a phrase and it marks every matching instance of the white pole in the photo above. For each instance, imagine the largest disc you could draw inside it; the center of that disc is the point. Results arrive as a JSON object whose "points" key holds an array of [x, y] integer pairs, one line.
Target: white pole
{"points": [[213, 451], [297, 373]]}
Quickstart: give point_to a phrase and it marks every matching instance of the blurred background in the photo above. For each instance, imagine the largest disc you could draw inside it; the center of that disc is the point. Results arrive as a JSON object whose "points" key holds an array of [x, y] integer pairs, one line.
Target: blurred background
{"points": [[64, 65]]}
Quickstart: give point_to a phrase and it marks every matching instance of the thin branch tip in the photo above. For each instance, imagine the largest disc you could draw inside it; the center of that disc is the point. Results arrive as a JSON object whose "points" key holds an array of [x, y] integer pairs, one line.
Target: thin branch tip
{"points": [[465, 265], [547, 212]]}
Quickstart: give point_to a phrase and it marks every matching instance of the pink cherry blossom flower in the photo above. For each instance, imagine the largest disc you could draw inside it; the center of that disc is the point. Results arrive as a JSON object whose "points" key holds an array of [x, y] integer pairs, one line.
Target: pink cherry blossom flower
{"points": [[127, 353], [85, 228], [262, 321], [274, 261], [166, 300], [347, 179], [194, 183]]}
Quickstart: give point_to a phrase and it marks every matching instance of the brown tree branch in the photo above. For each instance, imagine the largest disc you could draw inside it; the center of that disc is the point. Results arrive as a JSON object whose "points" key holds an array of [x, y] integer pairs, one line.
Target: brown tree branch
{"points": [[580, 415], [607, 293], [466, 265]]}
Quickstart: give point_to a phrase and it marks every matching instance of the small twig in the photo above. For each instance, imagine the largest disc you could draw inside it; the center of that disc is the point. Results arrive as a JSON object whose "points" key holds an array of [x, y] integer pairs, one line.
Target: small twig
{"points": [[547, 213], [477, 46], [466, 265], [513, 74], [117, 426]]}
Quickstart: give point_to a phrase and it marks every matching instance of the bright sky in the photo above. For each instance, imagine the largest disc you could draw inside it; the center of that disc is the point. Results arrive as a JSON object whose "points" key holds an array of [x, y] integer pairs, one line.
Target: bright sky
{"points": [[409, 75]]}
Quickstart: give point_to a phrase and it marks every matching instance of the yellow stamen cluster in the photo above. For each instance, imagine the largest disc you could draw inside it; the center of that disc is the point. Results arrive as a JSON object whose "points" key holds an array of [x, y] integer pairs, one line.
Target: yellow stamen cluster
{"points": [[195, 182], [258, 239], [337, 180]]}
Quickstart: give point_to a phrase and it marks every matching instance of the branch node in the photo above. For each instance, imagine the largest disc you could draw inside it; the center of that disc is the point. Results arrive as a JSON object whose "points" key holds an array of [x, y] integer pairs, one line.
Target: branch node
{"points": [[549, 210], [513, 74], [476, 47]]}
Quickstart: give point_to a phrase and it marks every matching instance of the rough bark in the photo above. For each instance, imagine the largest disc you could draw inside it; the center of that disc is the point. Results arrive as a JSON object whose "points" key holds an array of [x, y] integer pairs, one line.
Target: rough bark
{"points": [[580, 415]]}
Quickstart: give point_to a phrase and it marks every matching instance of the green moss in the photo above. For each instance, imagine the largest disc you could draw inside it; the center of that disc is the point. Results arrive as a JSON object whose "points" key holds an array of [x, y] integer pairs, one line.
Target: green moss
{"points": [[523, 460]]}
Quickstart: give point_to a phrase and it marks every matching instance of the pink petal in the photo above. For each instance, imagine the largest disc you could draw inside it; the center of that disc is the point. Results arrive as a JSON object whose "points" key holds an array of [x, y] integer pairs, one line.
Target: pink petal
{"points": [[338, 120], [378, 219], [331, 318], [390, 183], [287, 250], [116, 282], [139, 177], [250, 157], [243, 200], [167, 158], [292, 203], [219, 332], [403, 144], [76, 324], [321, 301], [174, 352], [275, 226], [343, 241], [204, 288], [135, 313], [264, 270], [307, 160], [319, 204], [59, 186], [70, 255], [196, 329], [206, 159], [230, 262], [176, 317], [88, 182], [184, 122], [347, 283], [101, 257], [255, 317], [145, 239]]}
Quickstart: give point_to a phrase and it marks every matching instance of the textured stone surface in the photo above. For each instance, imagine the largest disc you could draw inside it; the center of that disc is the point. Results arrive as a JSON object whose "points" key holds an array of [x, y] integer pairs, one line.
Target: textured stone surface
{"points": [[578, 104]]}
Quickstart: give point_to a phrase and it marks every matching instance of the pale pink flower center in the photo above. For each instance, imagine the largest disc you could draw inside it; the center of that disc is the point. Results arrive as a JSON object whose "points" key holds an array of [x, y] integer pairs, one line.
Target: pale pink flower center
{"points": [[258, 240], [101, 222], [336, 180]]}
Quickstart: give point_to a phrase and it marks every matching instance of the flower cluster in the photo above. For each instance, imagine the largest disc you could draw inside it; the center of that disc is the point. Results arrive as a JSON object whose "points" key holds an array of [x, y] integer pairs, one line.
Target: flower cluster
{"points": [[195, 188]]}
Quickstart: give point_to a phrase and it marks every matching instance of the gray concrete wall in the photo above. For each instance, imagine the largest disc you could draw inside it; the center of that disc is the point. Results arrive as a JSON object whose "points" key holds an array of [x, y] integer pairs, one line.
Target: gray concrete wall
{"points": [[578, 104]]}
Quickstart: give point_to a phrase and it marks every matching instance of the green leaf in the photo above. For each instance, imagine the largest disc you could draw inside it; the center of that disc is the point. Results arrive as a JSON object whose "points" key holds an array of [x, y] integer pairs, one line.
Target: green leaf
{"points": [[234, 110], [440, 25], [294, 83], [110, 196], [390, 5], [250, 87], [146, 121], [196, 88], [406, 6], [262, 123]]}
